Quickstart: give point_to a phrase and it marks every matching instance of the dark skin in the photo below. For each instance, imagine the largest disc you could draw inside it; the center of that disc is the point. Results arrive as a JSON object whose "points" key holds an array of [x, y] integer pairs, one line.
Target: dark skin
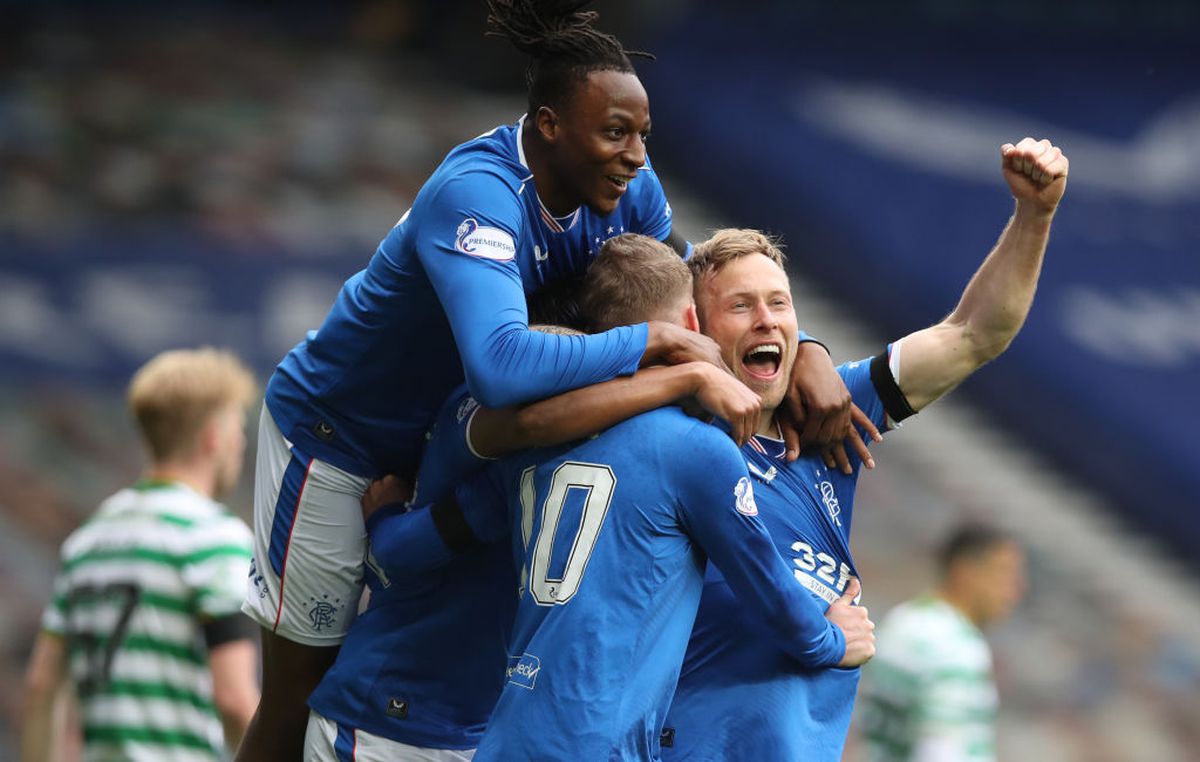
{"points": [[290, 673], [581, 152]]}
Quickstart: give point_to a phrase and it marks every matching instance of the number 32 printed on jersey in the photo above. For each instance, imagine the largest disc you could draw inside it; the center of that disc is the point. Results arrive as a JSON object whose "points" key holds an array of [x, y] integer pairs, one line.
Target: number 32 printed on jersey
{"points": [[572, 483]]}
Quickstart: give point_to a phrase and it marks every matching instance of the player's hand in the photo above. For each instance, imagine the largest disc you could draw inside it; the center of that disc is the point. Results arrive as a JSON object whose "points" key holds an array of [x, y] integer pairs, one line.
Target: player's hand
{"points": [[389, 490], [818, 402], [675, 345], [855, 625], [729, 399], [1036, 173], [835, 455]]}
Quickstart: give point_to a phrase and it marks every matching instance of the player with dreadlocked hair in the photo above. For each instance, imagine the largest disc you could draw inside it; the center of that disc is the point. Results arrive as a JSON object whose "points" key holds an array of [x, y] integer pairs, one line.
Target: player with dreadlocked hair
{"points": [[443, 301]]}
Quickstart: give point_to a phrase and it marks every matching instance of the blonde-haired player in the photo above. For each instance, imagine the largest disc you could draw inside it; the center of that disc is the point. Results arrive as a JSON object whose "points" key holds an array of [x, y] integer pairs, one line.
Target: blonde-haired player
{"points": [[145, 623]]}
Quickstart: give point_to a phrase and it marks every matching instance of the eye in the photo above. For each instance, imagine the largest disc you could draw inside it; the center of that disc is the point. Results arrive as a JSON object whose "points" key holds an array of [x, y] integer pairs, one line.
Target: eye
{"points": [[616, 133], [645, 136]]}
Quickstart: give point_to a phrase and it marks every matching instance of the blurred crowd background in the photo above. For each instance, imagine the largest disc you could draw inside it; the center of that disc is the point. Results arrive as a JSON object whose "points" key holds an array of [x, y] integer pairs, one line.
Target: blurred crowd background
{"points": [[209, 172]]}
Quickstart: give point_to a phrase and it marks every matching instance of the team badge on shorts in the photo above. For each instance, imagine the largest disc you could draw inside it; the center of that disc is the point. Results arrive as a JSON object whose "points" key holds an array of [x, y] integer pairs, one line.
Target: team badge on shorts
{"points": [[743, 498], [324, 614]]}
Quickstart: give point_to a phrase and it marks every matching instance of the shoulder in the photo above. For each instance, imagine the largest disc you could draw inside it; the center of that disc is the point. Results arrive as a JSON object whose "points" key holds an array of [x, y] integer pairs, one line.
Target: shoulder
{"points": [[689, 444], [485, 164], [197, 524], [931, 632]]}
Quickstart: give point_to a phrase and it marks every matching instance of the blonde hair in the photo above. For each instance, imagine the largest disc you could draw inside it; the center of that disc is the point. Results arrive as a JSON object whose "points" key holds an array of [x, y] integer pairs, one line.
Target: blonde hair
{"points": [[730, 244], [173, 396], [633, 279]]}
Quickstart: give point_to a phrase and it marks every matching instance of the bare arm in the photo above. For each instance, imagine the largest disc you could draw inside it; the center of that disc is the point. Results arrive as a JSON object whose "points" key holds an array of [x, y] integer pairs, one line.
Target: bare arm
{"points": [[234, 665], [591, 409], [43, 719], [996, 301]]}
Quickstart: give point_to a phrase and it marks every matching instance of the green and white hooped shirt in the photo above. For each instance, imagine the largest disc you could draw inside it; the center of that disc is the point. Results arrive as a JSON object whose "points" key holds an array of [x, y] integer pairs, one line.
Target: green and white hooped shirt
{"points": [[137, 582], [929, 691]]}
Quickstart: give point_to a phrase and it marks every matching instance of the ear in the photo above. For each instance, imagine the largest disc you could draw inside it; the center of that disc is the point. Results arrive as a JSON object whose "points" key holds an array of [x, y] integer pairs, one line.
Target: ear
{"points": [[546, 123], [210, 435], [690, 320]]}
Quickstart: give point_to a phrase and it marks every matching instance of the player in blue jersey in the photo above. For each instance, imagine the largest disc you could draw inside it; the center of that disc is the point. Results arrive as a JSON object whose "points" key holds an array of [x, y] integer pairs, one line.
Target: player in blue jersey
{"points": [[393, 693], [443, 300], [739, 697], [677, 503]]}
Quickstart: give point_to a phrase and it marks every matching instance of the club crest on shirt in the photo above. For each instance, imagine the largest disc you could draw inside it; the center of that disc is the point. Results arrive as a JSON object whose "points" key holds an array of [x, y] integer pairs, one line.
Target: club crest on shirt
{"points": [[829, 498], [743, 498], [484, 242]]}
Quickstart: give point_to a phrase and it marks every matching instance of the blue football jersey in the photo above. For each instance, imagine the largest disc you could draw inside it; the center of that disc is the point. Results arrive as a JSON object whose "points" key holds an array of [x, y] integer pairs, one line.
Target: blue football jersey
{"points": [[443, 300], [611, 536], [740, 697], [424, 664]]}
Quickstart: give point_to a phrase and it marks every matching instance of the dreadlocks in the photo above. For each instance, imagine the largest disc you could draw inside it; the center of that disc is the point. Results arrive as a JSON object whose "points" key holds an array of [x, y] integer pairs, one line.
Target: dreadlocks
{"points": [[562, 45]]}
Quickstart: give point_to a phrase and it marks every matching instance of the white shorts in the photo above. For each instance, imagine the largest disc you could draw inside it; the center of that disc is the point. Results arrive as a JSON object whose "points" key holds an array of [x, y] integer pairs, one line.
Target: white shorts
{"points": [[309, 543], [327, 741]]}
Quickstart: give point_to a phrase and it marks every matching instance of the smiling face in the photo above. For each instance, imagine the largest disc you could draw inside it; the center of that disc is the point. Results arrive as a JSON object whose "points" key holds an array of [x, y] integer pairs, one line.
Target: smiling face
{"points": [[598, 140], [746, 307]]}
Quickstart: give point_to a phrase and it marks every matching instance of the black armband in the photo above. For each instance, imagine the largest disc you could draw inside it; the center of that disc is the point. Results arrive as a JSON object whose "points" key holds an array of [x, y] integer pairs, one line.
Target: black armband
{"points": [[895, 404], [226, 629]]}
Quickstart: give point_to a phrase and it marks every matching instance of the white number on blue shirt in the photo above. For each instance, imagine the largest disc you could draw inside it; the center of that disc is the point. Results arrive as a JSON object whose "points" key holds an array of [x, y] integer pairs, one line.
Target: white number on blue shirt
{"points": [[599, 482]]}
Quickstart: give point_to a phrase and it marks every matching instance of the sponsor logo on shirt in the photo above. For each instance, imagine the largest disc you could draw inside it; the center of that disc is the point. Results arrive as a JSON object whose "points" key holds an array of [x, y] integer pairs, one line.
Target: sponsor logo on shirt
{"points": [[523, 670], [484, 242], [743, 498]]}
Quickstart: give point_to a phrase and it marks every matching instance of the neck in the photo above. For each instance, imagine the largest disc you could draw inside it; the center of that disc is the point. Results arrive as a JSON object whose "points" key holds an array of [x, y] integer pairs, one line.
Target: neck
{"points": [[960, 603], [767, 425], [196, 476], [547, 186]]}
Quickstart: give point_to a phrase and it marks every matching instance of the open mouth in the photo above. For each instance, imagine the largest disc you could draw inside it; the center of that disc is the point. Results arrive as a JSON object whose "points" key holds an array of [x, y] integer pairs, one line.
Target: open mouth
{"points": [[762, 361], [620, 182]]}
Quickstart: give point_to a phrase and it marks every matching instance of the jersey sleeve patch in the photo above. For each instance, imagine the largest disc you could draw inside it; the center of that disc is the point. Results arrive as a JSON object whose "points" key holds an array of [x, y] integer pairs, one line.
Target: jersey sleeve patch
{"points": [[743, 498], [484, 242]]}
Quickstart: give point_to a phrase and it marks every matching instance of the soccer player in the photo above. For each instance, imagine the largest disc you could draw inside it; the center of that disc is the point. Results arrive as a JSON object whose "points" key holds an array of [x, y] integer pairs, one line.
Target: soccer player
{"points": [[610, 533], [929, 695], [144, 623], [443, 300], [392, 693], [739, 697]]}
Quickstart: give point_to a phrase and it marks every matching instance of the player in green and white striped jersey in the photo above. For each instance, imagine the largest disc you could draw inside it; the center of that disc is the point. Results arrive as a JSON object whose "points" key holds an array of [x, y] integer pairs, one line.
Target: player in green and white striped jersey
{"points": [[145, 623], [929, 694]]}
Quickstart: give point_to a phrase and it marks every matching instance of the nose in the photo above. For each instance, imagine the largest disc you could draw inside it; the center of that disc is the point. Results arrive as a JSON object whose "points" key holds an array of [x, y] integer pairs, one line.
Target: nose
{"points": [[634, 154], [764, 317]]}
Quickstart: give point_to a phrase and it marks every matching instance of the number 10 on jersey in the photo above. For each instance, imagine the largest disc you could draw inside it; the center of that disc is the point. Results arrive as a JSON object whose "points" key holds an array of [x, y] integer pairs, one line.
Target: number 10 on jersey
{"points": [[576, 503]]}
